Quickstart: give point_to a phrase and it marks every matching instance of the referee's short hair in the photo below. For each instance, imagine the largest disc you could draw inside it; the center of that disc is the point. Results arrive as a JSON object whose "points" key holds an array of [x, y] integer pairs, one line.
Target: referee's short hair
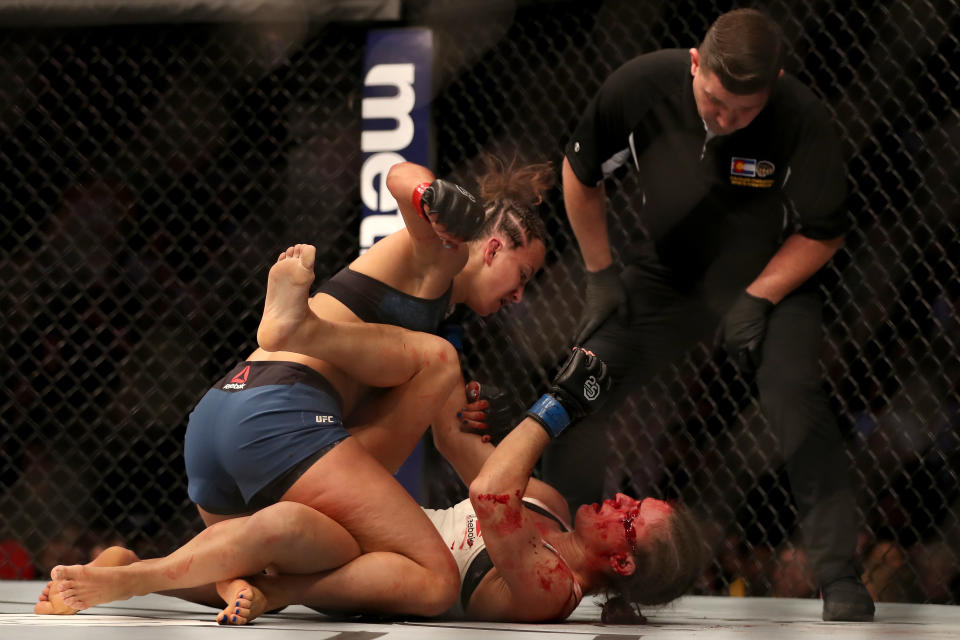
{"points": [[744, 48]]}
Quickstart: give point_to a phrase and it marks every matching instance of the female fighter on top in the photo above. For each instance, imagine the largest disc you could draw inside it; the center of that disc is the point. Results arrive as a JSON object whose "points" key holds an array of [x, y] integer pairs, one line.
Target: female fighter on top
{"points": [[275, 428], [517, 557]]}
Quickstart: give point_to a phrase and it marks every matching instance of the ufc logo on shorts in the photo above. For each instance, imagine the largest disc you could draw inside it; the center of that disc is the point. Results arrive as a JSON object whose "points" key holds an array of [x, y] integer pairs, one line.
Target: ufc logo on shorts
{"points": [[325, 419]]}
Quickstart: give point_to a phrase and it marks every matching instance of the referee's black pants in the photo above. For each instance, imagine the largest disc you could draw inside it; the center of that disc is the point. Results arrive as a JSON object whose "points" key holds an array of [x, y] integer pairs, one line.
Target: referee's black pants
{"points": [[664, 325]]}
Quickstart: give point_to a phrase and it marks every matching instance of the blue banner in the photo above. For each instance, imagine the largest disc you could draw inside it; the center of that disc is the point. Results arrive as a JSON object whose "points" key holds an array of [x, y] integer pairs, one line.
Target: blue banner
{"points": [[397, 78], [397, 84]]}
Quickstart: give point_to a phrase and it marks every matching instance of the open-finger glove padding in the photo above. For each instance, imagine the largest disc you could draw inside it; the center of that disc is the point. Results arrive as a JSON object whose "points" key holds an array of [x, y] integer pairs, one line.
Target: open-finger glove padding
{"points": [[579, 388], [455, 208]]}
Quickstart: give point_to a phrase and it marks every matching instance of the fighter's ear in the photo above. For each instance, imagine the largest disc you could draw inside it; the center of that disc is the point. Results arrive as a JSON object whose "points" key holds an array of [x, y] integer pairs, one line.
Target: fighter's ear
{"points": [[694, 61], [490, 249], [623, 563]]}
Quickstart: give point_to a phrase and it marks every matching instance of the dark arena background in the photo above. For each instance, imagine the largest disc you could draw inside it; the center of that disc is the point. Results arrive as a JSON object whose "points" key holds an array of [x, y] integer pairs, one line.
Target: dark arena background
{"points": [[153, 162]]}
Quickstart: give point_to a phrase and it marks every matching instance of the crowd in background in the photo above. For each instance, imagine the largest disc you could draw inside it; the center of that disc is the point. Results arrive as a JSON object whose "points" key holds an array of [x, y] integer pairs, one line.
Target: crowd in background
{"points": [[141, 223]]}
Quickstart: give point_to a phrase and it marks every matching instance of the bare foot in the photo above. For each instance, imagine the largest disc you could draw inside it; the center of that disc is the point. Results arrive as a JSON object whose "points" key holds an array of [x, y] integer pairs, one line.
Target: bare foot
{"points": [[51, 600], [288, 288], [85, 586], [244, 602]]}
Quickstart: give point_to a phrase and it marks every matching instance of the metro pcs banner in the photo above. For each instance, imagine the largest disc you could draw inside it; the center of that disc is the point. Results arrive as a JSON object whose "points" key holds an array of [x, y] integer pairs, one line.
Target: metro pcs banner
{"points": [[396, 120]]}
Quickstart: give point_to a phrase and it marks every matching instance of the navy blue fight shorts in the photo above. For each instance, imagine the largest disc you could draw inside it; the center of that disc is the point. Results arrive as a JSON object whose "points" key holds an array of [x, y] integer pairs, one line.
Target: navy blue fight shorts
{"points": [[256, 432]]}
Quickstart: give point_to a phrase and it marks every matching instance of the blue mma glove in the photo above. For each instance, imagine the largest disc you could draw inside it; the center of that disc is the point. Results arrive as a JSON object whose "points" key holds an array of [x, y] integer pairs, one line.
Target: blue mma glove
{"points": [[581, 386]]}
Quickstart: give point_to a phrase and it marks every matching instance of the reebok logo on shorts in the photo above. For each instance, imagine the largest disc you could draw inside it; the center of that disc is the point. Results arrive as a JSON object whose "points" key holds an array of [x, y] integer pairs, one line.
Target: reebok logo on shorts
{"points": [[239, 381]]}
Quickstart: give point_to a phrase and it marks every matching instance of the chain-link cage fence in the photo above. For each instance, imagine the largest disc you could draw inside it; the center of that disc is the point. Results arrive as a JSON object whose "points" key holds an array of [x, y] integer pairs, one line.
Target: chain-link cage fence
{"points": [[151, 170]]}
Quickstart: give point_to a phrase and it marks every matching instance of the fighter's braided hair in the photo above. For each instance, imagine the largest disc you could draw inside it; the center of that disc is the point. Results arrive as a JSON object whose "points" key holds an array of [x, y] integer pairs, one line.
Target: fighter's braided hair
{"points": [[511, 194]]}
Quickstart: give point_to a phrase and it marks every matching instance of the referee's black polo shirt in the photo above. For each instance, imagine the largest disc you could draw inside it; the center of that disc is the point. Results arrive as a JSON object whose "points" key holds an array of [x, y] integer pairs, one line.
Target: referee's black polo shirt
{"points": [[782, 173]]}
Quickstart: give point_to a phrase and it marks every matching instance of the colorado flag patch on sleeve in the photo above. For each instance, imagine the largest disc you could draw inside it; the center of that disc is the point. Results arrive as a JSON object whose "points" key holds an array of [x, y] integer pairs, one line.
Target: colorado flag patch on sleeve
{"points": [[743, 167], [747, 172]]}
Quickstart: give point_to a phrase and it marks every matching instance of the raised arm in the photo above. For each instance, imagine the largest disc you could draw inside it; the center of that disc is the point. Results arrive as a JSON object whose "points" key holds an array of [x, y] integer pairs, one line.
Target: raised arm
{"points": [[467, 452], [437, 215], [513, 541], [538, 584], [434, 208], [403, 179]]}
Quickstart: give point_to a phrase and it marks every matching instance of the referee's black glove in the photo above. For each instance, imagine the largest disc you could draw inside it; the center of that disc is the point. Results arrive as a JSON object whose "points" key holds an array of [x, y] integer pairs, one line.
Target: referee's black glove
{"points": [[744, 327], [605, 294]]}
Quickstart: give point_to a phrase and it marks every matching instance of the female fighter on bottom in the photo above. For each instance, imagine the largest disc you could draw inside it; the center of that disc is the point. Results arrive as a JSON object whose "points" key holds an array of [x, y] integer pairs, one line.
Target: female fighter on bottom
{"points": [[285, 426], [518, 559]]}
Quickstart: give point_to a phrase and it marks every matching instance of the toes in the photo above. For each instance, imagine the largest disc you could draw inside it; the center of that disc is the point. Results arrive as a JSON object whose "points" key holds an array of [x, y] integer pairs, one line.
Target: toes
{"points": [[241, 609], [239, 613], [308, 256], [71, 598], [232, 618]]}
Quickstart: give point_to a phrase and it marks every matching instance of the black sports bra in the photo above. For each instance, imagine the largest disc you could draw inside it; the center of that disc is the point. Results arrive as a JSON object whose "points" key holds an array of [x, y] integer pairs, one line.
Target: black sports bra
{"points": [[374, 301]]}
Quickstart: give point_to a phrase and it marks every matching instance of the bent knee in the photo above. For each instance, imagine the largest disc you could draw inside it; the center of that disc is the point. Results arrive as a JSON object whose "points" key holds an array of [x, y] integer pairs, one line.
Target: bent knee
{"points": [[439, 362], [282, 520], [440, 353], [447, 361], [439, 583], [439, 595]]}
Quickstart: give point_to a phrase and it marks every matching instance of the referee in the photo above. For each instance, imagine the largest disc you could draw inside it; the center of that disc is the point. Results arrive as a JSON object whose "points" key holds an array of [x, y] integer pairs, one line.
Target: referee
{"points": [[743, 190]]}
